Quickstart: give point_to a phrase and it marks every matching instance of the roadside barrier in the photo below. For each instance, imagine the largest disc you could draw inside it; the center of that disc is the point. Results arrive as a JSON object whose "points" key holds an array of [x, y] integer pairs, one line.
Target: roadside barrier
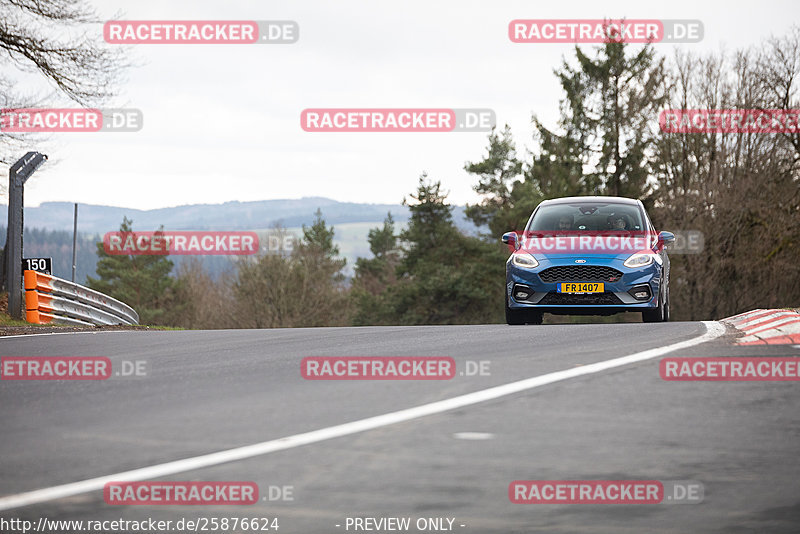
{"points": [[52, 300]]}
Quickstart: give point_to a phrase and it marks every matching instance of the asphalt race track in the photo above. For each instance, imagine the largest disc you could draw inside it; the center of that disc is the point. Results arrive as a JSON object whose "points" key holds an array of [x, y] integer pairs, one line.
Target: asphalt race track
{"points": [[211, 391]]}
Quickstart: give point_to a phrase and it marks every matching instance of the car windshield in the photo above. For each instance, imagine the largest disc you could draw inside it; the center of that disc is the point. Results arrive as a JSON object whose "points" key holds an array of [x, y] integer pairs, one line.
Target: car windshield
{"points": [[586, 216]]}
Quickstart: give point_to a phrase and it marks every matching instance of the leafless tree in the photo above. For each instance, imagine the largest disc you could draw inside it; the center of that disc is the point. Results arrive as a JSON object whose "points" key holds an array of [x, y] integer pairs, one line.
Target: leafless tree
{"points": [[59, 41], [742, 190]]}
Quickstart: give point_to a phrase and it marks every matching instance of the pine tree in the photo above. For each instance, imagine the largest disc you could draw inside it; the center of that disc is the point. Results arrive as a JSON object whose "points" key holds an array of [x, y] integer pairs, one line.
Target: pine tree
{"points": [[510, 189], [430, 225], [498, 185], [141, 281], [317, 250], [319, 237], [373, 276], [608, 114], [375, 273], [444, 277]]}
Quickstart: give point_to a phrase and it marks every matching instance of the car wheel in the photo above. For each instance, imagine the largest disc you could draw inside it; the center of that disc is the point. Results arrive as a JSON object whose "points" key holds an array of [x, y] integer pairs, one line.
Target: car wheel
{"points": [[535, 317], [666, 305], [519, 317], [514, 317], [658, 315]]}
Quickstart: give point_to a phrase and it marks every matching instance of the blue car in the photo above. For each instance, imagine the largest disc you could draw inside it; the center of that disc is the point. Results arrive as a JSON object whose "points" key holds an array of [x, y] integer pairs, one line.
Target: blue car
{"points": [[592, 255]]}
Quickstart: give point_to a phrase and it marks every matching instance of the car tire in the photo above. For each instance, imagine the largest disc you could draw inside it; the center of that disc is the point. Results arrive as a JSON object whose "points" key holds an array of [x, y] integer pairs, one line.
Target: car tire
{"points": [[535, 317], [514, 317], [520, 317], [660, 314]]}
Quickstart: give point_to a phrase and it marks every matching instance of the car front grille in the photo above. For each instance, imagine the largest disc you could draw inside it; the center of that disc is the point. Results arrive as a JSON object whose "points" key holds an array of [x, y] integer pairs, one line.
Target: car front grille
{"points": [[580, 273], [590, 299]]}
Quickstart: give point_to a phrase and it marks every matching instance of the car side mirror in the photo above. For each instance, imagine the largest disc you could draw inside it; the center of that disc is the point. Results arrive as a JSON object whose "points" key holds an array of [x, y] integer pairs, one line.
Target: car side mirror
{"points": [[666, 237], [510, 238]]}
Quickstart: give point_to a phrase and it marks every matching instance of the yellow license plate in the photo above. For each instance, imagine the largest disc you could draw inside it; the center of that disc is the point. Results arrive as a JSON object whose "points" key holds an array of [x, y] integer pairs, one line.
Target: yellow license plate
{"points": [[580, 287]]}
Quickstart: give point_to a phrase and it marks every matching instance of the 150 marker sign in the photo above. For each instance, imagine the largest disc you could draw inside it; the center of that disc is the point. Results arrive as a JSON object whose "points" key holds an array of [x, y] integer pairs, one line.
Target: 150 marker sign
{"points": [[42, 265]]}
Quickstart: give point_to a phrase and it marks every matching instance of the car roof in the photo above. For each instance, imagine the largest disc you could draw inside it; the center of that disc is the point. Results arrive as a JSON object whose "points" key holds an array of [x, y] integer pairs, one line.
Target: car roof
{"points": [[590, 199]]}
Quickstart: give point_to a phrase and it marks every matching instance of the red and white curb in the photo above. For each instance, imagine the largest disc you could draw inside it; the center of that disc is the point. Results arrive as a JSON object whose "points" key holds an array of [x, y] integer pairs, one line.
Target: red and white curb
{"points": [[767, 327]]}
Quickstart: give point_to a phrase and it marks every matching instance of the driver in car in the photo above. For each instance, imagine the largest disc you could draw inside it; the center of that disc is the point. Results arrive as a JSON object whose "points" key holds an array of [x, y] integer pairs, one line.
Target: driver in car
{"points": [[565, 222], [617, 222]]}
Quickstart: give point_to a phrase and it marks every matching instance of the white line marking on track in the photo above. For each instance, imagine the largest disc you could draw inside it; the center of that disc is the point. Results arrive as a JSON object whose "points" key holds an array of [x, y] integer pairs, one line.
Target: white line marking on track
{"points": [[713, 330], [93, 332], [65, 333], [474, 436]]}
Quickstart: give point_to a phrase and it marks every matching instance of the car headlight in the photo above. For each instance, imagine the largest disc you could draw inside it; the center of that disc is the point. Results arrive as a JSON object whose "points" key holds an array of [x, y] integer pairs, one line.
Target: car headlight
{"points": [[526, 261], [639, 260]]}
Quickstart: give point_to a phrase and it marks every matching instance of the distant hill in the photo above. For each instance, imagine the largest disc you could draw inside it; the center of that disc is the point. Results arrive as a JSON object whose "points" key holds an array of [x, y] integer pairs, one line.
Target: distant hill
{"points": [[227, 216], [48, 228], [57, 244]]}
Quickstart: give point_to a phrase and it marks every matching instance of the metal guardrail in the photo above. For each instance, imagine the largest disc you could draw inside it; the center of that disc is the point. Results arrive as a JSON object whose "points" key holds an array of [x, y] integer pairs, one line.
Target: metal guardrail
{"points": [[52, 300]]}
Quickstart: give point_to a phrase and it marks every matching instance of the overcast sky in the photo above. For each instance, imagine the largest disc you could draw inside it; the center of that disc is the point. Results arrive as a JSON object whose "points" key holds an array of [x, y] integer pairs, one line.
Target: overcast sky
{"points": [[222, 122]]}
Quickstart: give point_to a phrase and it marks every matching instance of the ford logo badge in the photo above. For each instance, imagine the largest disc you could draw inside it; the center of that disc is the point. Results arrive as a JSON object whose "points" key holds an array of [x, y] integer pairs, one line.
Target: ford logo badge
{"points": [[580, 261]]}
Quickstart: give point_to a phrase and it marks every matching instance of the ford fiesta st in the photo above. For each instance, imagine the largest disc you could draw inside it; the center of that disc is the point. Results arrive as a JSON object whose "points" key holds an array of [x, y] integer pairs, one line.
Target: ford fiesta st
{"points": [[587, 256]]}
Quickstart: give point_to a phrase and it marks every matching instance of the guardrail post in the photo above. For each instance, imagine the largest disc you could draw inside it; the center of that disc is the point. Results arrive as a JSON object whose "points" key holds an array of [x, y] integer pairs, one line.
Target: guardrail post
{"points": [[74, 242], [18, 174]]}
